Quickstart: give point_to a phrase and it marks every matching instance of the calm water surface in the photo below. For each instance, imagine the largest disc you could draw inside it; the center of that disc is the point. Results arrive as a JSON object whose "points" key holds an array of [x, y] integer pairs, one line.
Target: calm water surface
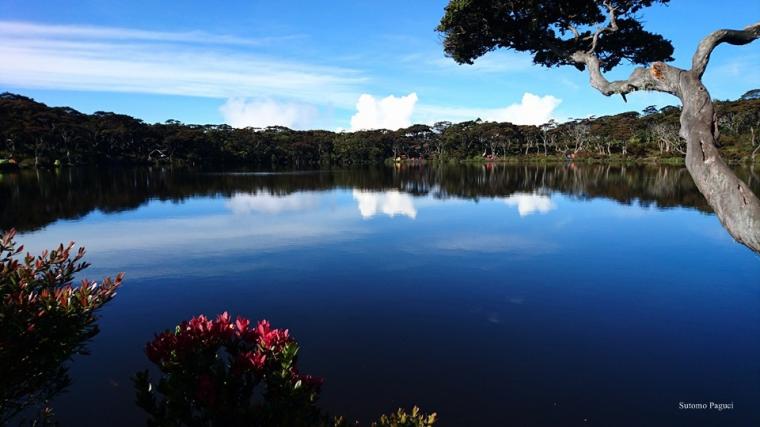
{"points": [[560, 295]]}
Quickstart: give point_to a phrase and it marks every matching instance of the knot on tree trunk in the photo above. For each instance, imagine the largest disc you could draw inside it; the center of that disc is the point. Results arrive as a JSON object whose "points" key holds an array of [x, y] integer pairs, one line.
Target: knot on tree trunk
{"points": [[658, 70]]}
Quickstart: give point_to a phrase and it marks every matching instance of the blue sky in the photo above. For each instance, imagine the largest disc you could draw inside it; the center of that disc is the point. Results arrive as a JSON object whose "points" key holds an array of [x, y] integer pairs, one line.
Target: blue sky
{"points": [[307, 64]]}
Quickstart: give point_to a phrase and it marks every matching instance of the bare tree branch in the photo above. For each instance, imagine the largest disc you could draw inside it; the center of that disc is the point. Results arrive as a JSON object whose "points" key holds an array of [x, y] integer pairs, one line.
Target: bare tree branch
{"points": [[641, 78], [572, 28], [611, 28], [709, 43]]}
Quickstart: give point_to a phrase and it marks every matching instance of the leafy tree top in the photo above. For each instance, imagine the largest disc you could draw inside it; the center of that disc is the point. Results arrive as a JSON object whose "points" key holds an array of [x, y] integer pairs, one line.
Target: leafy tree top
{"points": [[751, 94], [552, 30]]}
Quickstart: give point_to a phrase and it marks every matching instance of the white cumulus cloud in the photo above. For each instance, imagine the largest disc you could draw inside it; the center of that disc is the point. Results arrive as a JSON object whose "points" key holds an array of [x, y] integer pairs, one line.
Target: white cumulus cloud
{"points": [[531, 110], [529, 203], [390, 112], [241, 112], [391, 203]]}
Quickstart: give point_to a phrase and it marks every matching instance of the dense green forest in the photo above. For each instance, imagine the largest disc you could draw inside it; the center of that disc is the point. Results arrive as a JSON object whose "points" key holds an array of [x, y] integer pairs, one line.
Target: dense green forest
{"points": [[31, 133]]}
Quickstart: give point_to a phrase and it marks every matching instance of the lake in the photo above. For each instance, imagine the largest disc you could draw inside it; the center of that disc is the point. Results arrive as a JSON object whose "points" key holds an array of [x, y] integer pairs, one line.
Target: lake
{"points": [[492, 294]]}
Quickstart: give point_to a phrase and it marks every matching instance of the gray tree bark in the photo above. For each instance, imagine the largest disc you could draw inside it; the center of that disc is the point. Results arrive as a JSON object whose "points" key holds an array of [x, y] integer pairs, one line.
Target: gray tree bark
{"points": [[737, 208]]}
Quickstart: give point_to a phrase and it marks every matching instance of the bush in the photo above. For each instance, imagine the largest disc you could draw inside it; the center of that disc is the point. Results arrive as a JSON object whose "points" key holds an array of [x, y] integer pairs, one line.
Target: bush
{"points": [[44, 319], [226, 373], [211, 372]]}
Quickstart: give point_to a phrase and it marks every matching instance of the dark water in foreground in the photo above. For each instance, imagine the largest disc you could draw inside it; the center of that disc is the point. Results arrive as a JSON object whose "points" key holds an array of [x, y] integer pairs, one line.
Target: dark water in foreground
{"points": [[560, 295]]}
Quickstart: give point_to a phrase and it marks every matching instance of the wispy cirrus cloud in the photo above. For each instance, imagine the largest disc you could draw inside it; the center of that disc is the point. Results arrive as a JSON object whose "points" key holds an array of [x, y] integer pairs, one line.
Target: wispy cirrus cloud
{"points": [[741, 68], [260, 89], [492, 63], [172, 63], [31, 30]]}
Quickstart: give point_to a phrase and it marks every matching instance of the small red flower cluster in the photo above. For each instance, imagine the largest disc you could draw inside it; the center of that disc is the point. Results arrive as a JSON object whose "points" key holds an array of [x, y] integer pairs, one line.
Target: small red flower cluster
{"points": [[250, 345], [271, 338]]}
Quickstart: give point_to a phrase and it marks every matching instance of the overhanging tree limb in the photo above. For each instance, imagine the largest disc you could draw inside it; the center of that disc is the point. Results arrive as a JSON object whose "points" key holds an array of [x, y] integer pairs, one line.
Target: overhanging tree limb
{"points": [[640, 79], [709, 43]]}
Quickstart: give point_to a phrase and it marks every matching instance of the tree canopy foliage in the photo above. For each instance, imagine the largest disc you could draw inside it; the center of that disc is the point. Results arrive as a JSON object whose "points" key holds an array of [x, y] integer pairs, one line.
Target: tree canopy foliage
{"points": [[751, 94], [551, 30]]}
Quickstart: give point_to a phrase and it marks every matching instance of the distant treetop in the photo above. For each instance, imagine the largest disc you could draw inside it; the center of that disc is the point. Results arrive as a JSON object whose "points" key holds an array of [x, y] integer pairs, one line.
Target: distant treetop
{"points": [[13, 96], [751, 94]]}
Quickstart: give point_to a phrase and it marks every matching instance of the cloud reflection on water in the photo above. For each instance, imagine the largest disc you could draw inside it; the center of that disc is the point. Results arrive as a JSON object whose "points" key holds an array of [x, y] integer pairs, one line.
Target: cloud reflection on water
{"points": [[530, 203], [390, 203], [494, 243], [245, 203]]}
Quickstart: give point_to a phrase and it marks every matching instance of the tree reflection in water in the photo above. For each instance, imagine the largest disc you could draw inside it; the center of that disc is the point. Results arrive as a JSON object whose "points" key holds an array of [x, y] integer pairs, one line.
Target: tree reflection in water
{"points": [[33, 199]]}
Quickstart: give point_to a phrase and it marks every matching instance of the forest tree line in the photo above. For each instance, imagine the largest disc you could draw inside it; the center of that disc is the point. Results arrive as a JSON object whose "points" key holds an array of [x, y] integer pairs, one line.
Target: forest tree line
{"points": [[31, 133]]}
